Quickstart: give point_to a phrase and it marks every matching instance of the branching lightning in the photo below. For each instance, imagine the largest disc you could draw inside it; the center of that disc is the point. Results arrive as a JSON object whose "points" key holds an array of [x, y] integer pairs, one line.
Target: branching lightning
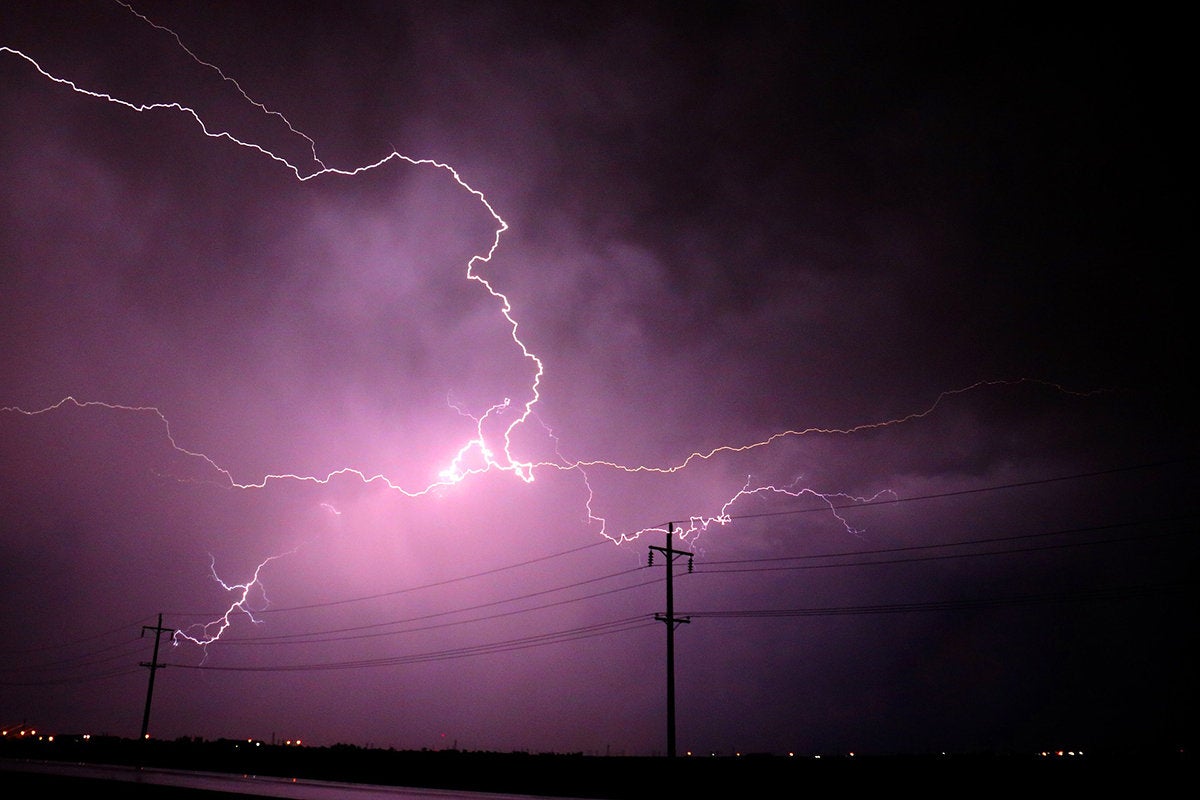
{"points": [[483, 452], [207, 633]]}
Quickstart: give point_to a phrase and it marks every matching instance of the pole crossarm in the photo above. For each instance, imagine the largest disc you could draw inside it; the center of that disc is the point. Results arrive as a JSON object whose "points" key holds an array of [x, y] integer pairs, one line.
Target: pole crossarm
{"points": [[671, 552]]}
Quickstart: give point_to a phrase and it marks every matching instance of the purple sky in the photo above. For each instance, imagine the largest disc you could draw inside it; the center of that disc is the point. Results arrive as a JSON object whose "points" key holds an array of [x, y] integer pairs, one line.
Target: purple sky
{"points": [[436, 314]]}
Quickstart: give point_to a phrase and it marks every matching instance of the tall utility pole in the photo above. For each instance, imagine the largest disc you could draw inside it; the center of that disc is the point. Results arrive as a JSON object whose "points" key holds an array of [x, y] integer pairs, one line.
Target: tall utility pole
{"points": [[153, 665], [672, 623]]}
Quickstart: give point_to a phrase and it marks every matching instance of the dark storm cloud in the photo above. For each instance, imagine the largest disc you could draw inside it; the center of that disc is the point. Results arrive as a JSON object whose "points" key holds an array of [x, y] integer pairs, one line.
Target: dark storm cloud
{"points": [[927, 252]]}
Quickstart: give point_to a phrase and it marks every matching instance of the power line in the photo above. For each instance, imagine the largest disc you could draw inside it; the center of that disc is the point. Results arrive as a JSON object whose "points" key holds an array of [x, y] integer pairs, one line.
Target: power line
{"points": [[993, 540], [92, 659], [74, 680], [292, 638], [76, 640], [485, 573], [446, 582], [959, 492], [508, 645], [1090, 595]]}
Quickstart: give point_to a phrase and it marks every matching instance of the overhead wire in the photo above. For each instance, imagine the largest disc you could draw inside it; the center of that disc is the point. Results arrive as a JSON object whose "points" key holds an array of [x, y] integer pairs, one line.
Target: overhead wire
{"points": [[356, 632], [555, 637]]}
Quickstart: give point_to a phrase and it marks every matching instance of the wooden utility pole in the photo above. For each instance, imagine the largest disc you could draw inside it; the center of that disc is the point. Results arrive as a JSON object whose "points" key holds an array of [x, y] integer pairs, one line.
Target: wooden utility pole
{"points": [[153, 665], [672, 623]]}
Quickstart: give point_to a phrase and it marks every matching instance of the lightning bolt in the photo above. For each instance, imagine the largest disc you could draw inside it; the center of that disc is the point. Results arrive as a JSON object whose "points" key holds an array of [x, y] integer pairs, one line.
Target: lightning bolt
{"points": [[490, 448], [207, 633]]}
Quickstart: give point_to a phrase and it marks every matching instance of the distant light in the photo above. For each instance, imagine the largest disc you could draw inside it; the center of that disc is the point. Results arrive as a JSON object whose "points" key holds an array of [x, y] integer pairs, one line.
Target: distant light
{"points": [[790, 754]]}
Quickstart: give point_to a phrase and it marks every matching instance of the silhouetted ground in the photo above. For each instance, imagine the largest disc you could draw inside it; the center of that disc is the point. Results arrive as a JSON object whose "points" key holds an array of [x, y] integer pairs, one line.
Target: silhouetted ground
{"points": [[602, 777]]}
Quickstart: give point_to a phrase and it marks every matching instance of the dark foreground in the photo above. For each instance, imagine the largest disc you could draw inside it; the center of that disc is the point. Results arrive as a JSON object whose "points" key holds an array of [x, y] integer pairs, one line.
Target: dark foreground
{"points": [[578, 776]]}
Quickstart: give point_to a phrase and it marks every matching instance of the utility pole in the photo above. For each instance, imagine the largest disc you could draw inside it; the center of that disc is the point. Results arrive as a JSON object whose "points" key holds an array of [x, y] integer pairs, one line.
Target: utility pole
{"points": [[672, 623], [153, 665]]}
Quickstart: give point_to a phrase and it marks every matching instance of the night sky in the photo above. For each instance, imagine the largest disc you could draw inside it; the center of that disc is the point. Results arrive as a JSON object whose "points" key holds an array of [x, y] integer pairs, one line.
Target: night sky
{"points": [[410, 328]]}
